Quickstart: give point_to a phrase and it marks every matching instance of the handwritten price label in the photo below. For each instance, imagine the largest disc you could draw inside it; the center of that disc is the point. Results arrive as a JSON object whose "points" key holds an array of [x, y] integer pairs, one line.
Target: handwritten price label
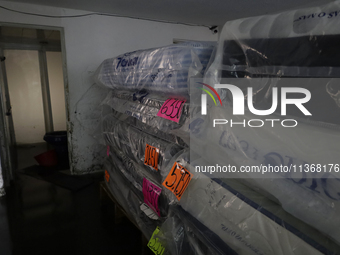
{"points": [[177, 180], [151, 156], [155, 245], [151, 194], [107, 176], [171, 109]]}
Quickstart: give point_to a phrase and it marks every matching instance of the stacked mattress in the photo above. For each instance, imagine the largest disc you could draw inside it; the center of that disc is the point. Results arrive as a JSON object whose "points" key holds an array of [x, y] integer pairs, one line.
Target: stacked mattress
{"points": [[228, 215], [129, 125], [165, 69], [128, 196], [291, 49], [152, 160], [246, 224]]}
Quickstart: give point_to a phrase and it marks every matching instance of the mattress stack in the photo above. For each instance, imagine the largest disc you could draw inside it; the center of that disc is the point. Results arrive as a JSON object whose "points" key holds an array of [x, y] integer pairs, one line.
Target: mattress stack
{"points": [[292, 49], [164, 69], [140, 82], [157, 138]]}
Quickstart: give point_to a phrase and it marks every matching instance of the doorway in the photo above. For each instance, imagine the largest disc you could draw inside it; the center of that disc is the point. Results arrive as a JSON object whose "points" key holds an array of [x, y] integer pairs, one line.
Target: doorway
{"points": [[33, 91]]}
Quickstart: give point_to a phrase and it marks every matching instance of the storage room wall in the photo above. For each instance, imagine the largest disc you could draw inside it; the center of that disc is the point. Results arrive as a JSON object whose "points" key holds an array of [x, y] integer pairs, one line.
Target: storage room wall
{"points": [[56, 84], [23, 77], [24, 85], [88, 41]]}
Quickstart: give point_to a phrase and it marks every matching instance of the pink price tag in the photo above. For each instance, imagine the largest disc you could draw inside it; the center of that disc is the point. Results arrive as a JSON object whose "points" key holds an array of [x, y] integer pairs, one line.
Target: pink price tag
{"points": [[151, 194], [171, 109], [108, 150]]}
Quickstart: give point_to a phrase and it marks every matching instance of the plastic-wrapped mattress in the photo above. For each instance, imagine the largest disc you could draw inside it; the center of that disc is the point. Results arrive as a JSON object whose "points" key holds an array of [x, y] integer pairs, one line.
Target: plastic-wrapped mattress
{"points": [[136, 174], [166, 69], [314, 206], [301, 42], [142, 120], [128, 197], [267, 52], [311, 199], [125, 181], [132, 142], [247, 222], [144, 106], [227, 213], [295, 44], [180, 236]]}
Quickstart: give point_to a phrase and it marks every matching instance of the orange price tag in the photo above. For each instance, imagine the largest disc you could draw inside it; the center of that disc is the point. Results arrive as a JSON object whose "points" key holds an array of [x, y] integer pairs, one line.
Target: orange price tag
{"points": [[151, 156], [107, 176], [177, 180]]}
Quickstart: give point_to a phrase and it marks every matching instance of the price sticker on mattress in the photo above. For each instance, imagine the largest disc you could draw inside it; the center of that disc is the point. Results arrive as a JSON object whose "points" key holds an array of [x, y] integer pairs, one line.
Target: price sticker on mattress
{"points": [[148, 211], [151, 156], [171, 109], [107, 176], [154, 243], [177, 180], [151, 194]]}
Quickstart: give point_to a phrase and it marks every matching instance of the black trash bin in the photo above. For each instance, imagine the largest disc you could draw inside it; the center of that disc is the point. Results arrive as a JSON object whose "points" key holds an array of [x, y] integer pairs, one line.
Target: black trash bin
{"points": [[58, 140]]}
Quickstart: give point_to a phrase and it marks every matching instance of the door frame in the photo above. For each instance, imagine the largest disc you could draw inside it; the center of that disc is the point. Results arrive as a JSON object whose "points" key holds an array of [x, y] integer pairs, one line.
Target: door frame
{"points": [[7, 138], [42, 55]]}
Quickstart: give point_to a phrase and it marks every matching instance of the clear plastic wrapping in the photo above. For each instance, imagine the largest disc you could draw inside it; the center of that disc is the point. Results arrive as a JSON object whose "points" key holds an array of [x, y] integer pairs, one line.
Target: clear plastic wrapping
{"points": [[301, 43], [136, 174], [132, 121], [311, 199], [165, 69], [294, 49], [128, 197], [242, 219], [144, 106], [291, 212], [179, 238], [132, 142], [124, 181], [87, 125]]}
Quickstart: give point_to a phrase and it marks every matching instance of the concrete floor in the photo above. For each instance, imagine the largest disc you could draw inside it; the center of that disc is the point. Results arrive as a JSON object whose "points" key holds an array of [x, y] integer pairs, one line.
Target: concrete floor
{"points": [[27, 152], [37, 217]]}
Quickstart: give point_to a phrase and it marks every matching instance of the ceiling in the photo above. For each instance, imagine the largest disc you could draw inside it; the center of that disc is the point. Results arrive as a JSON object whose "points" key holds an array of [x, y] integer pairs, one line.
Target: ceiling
{"points": [[203, 12]]}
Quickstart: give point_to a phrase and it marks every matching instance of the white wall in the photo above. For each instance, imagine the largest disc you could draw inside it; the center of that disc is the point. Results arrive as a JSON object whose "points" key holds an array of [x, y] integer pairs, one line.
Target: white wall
{"points": [[56, 84], [24, 85], [22, 67], [90, 40]]}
